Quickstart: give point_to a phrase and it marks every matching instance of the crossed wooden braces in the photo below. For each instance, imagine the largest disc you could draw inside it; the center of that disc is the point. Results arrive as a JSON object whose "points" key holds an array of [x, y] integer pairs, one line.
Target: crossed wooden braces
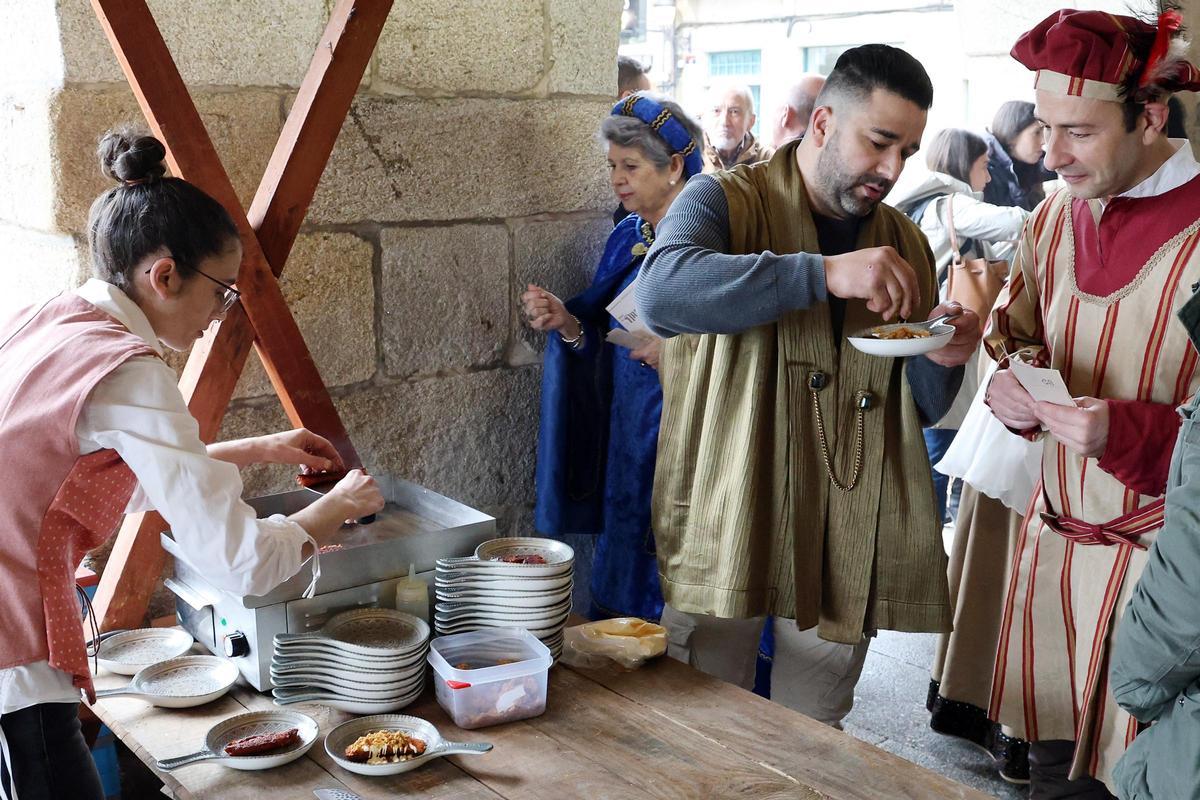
{"points": [[267, 230]]}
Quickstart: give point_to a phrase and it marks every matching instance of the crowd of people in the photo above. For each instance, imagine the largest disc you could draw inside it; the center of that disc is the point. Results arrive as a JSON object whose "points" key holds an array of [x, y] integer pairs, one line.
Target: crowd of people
{"points": [[775, 497]]}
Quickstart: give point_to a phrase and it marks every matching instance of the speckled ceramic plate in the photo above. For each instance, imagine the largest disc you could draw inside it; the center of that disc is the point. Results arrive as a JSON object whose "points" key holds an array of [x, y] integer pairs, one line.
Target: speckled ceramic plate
{"points": [[351, 705], [128, 651], [345, 735], [254, 723], [180, 682], [365, 631]]}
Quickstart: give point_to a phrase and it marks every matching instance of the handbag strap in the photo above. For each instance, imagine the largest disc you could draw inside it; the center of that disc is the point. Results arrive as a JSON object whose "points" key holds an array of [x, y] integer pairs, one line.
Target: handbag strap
{"points": [[956, 256]]}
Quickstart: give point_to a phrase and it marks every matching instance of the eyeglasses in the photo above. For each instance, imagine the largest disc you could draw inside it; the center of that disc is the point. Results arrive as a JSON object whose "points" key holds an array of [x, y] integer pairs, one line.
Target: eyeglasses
{"points": [[230, 296]]}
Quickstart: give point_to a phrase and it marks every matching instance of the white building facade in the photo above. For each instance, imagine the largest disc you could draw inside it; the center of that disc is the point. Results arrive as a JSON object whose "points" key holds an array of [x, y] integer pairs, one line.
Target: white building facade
{"points": [[690, 45]]}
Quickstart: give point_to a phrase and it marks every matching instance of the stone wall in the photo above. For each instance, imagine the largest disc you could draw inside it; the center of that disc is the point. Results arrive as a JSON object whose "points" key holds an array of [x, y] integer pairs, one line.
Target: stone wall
{"points": [[468, 166]]}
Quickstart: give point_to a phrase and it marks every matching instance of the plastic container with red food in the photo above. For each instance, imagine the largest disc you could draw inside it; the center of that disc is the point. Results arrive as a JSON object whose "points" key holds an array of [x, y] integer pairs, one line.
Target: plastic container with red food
{"points": [[490, 676]]}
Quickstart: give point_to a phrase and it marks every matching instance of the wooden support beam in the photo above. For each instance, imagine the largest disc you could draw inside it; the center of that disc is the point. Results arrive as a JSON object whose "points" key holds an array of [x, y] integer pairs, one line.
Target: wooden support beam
{"points": [[268, 233]]}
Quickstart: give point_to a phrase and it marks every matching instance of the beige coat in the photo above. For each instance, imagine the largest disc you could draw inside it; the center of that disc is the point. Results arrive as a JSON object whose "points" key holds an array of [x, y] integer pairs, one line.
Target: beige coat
{"points": [[746, 518], [1065, 597]]}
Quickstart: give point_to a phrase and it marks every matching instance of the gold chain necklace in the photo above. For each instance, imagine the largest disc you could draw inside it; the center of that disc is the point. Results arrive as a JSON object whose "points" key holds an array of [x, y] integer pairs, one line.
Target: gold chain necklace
{"points": [[862, 402]]}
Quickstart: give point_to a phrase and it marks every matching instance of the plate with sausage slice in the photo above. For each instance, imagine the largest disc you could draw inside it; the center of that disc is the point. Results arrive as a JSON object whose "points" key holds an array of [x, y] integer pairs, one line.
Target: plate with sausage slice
{"points": [[253, 741]]}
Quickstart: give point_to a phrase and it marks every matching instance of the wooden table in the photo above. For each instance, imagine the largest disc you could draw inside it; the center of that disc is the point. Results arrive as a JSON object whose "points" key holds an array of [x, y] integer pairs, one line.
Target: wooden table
{"points": [[664, 731]]}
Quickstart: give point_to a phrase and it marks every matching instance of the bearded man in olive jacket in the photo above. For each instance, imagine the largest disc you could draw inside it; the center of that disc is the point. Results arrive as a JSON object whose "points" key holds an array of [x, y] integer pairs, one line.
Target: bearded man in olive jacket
{"points": [[792, 476]]}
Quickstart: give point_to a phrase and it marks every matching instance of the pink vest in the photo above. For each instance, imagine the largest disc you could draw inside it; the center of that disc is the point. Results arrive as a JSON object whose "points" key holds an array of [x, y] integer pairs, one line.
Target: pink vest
{"points": [[55, 505]]}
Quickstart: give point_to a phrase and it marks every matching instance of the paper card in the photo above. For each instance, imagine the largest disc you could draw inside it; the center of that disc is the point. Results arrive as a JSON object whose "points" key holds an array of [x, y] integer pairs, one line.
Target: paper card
{"points": [[626, 339], [624, 310], [1042, 384]]}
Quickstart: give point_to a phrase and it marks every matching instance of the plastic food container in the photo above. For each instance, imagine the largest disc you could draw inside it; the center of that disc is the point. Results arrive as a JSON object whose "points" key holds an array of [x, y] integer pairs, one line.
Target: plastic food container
{"points": [[490, 676]]}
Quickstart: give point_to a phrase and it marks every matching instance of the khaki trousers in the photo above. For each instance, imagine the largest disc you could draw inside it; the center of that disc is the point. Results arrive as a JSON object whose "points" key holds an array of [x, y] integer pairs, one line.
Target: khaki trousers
{"points": [[810, 675]]}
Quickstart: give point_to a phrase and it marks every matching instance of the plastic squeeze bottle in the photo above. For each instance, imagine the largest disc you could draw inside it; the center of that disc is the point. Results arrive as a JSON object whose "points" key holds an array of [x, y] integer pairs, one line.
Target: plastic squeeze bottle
{"points": [[412, 595]]}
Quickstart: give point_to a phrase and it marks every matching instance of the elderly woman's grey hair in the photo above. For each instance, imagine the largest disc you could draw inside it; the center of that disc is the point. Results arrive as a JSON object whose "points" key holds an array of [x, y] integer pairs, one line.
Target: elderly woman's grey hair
{"points": [[632, 132]]}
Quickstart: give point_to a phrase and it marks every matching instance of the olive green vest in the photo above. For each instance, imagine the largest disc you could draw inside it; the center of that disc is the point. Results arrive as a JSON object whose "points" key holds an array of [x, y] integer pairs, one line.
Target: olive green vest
{"points": [[746, 518]]}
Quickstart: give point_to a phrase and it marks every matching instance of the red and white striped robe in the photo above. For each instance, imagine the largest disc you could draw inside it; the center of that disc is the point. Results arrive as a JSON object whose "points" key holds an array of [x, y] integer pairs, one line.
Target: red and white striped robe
{"points": [[1066, 595]]}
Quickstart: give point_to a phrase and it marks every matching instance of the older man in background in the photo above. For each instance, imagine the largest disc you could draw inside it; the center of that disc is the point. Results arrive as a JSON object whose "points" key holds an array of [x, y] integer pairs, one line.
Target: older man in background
{"points": [[728, 120], [790, 120]]}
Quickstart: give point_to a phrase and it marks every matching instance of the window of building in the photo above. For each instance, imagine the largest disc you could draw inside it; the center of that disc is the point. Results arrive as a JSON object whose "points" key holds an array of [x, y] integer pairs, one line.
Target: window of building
{"points": [[633, 22], [821, 59], [735, 63]]}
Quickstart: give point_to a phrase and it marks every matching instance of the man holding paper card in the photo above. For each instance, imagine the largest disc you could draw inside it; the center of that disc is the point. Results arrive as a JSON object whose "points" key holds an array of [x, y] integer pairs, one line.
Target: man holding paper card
{"points": [[792, 475], [1096, 365]]}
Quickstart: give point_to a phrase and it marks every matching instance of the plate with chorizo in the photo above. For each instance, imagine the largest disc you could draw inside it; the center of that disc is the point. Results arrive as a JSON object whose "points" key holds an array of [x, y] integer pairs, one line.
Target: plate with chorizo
{"points": [[253, 741]]}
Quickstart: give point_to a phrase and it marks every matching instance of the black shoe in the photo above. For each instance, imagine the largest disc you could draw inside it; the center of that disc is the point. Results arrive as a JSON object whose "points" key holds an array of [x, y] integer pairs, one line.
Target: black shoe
{"points": [[954, 718], [1012, 757]]}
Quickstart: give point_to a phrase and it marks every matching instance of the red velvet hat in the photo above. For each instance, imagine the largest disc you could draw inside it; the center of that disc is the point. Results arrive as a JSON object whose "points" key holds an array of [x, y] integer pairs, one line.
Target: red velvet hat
{"points": [[1087, 54]]}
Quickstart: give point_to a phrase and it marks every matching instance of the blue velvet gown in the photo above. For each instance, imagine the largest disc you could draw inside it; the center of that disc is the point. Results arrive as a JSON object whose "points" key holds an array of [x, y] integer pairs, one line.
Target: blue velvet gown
{"points": [[598, 439]]}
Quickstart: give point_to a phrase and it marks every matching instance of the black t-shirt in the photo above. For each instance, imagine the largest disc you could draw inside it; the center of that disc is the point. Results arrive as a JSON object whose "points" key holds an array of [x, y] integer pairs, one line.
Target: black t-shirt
{"points": [[835, 237]]}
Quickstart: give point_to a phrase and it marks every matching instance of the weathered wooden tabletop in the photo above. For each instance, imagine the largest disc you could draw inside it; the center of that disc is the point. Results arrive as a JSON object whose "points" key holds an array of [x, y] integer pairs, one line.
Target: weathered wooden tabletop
{"points": [[664, 731]]}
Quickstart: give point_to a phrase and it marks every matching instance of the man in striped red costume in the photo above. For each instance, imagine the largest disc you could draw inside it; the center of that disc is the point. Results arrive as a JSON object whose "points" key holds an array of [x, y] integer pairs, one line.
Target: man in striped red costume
{"points": [[1101, 270]]}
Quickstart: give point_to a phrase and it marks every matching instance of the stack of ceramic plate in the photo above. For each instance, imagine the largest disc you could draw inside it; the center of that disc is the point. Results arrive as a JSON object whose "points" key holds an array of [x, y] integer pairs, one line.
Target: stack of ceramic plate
{"points": [[366, 661], [508, 583]]}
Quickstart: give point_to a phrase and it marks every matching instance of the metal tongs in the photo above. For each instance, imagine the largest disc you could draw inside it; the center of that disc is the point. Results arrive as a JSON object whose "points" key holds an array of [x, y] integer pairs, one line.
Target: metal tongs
{"points": [[928, 325]]}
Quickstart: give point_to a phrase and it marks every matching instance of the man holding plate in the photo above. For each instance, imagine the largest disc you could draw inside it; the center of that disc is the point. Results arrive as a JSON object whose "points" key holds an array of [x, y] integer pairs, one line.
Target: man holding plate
{"points": [[792, 478]]}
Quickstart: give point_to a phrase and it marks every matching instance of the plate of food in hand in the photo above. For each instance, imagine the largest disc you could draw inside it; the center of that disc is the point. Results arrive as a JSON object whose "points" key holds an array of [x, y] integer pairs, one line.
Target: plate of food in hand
{"points": [[388, 744], [902, 339], [253, 741]]}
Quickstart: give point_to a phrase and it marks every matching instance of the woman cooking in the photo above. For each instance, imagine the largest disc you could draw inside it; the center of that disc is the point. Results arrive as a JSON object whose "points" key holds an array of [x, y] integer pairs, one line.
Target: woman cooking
{"points": [[601, 402], [92, 423]]}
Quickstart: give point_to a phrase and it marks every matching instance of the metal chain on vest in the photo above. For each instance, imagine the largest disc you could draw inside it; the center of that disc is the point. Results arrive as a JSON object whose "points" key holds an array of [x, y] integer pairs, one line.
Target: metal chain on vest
{"points": [[861, 402]]}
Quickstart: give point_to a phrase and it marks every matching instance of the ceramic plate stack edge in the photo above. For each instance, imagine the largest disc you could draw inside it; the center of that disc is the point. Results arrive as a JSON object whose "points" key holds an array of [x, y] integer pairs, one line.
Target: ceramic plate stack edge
{"points": [[518, 582], [365, 661]]}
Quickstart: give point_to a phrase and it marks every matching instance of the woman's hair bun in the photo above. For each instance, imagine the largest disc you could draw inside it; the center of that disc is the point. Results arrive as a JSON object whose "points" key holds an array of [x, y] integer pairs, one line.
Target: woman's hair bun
{"points": [[130, 155]]}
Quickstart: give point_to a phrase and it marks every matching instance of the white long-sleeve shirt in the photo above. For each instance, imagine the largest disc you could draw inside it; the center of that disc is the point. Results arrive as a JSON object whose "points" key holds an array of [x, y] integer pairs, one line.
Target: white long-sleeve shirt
{"points": [[138, 411], [994, 229]]}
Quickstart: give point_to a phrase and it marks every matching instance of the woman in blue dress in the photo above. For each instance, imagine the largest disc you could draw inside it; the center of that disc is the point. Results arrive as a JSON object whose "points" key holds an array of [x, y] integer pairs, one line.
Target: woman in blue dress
{"points": [[601, 402]]}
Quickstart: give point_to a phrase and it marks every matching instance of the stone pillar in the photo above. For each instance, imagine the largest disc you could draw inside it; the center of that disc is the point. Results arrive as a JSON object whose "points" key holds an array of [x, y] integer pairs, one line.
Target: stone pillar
{"points": [[468, 166]]}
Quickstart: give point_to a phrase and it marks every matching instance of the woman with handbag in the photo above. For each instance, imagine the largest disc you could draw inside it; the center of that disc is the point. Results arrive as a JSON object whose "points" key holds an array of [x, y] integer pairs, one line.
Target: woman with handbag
{"points": [[969, 239]]}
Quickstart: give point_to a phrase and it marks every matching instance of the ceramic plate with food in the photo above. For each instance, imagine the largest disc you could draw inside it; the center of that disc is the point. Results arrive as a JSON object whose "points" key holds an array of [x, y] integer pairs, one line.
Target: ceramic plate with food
{"points": [[253, 741], [388, 744], [901, 340]]}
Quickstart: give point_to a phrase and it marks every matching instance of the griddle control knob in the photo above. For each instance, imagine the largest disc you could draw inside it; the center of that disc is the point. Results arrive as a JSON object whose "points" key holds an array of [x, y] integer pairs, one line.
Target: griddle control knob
{"points": [[235, 644]]}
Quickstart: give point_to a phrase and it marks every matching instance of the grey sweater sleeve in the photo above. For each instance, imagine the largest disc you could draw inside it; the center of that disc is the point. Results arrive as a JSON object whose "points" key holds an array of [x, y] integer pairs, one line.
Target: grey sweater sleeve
{"points": [[689, 282]]}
